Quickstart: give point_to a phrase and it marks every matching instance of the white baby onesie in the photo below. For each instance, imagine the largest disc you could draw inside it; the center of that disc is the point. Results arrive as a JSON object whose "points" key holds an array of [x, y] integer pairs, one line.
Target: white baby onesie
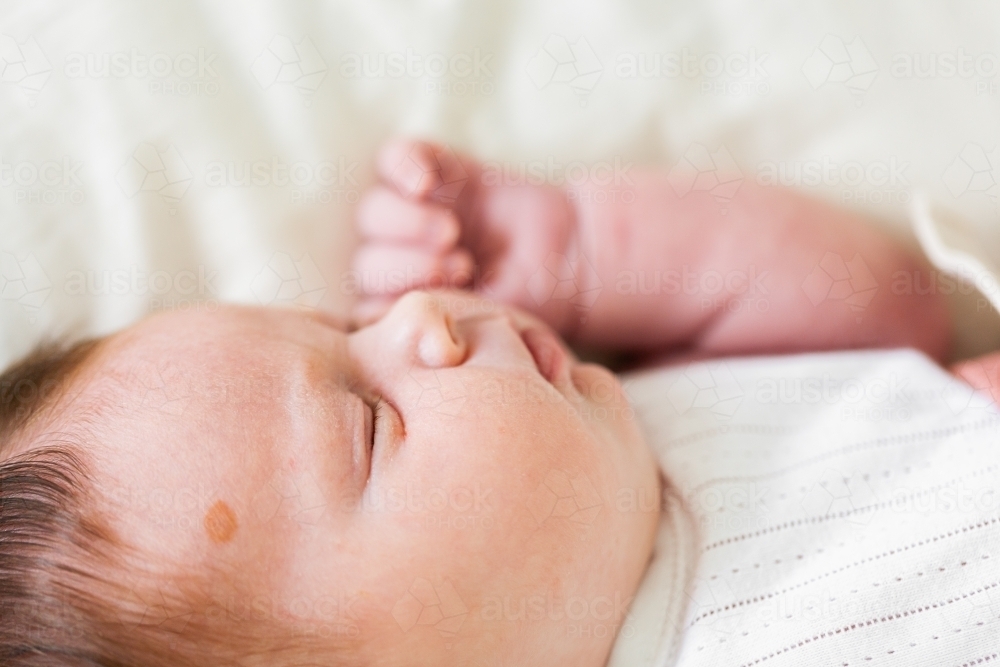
{"points": [[837, 509]]}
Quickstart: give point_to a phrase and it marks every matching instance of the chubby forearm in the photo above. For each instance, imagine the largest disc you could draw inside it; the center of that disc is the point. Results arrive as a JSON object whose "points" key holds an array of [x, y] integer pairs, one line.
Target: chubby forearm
{"points": [[767, 271]]}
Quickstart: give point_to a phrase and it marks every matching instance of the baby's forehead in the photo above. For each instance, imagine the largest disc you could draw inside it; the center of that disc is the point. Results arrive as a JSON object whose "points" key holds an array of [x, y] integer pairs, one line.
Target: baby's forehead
{"points": [[216, 377]]}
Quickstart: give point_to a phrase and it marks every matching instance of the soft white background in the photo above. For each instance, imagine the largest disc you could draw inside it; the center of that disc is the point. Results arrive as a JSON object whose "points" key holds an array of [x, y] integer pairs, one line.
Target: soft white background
{"points": [[237, 113]]}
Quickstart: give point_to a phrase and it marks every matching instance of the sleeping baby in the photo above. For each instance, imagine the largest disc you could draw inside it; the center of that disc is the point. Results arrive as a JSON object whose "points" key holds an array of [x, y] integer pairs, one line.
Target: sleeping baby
{"points": [[443, 482]]}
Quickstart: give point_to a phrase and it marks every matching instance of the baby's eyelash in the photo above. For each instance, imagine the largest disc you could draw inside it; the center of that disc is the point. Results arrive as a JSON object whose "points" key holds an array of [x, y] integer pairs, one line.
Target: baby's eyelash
{"points": [[377, 405]]}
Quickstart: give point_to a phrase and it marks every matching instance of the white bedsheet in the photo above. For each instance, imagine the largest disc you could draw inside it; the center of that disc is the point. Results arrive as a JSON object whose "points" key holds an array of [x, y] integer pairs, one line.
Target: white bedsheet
{"points": [[829, 509], [112, 177]]}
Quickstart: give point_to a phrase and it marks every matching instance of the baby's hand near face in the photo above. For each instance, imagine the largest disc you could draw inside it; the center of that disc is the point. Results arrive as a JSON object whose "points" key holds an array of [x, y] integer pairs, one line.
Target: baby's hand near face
{"points": [[432, 222], [409, 229]]}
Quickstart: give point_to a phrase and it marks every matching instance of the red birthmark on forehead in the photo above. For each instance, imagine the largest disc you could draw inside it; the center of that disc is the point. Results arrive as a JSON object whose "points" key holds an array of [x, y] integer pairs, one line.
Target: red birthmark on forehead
{"points": [[220, 522]]}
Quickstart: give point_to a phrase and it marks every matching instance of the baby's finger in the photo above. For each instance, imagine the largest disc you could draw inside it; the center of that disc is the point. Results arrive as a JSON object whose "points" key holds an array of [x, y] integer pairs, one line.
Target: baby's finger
{"points": [[385, 216], [388, 269], [411, 166], [423, 171]]}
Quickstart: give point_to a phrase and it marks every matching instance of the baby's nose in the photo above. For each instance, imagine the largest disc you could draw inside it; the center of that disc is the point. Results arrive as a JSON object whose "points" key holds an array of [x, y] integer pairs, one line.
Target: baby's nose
{"points": [[421, 327]]}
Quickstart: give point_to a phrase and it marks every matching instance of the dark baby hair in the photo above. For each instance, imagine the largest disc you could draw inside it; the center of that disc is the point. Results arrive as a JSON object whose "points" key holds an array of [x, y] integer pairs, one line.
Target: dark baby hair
{"points": [[44, 530]]}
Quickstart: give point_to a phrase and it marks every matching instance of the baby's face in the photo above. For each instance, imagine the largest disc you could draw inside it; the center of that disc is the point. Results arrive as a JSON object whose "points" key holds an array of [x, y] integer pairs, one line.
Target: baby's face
{"points": [[447, 482]]}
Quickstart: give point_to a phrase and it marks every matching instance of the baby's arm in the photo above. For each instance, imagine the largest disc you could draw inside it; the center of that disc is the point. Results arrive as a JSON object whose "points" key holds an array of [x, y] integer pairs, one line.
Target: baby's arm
{"points": [[750, 279], [669, 272]]}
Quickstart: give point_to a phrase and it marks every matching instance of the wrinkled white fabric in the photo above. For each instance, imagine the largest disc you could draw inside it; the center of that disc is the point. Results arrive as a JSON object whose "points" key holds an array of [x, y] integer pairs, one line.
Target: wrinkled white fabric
{"points": [[836, 509]]}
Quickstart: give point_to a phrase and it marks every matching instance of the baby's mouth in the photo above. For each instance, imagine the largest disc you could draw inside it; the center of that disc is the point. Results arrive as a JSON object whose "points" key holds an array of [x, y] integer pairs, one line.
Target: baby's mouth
{"points": [[549, 355]]}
